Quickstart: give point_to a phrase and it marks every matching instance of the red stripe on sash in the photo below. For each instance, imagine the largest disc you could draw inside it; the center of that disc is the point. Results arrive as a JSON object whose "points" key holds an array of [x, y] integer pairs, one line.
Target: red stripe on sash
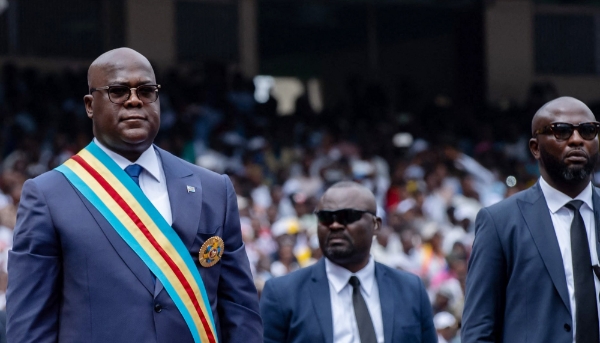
{"points": [[111, 191]]}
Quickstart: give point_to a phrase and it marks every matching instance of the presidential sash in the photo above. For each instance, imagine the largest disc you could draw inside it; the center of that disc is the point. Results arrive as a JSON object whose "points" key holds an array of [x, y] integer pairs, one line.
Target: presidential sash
{"points": [[116, 196]]}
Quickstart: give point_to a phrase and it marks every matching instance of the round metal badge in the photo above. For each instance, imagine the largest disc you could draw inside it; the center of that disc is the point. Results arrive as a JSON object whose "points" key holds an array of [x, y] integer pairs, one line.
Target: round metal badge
{"points": [[211, 251]]}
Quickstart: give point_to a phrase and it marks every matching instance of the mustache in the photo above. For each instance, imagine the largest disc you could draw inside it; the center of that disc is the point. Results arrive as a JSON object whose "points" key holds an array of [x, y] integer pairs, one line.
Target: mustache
{"points": [[578, 152], [338, 235]]}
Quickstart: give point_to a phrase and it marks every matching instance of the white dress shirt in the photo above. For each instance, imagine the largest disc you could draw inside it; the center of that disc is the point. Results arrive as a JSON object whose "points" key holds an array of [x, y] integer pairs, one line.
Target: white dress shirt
{"points": [[345, 329], [561, 219], [152, 178]]}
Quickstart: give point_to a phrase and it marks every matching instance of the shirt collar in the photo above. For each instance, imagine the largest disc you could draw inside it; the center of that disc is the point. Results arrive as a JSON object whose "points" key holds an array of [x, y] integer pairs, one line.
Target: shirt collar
{"points": [[557, 199], [147, 160], [339, 276]]}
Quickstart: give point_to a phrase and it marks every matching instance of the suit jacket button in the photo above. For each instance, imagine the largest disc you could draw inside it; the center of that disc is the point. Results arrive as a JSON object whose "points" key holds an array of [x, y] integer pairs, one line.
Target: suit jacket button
{"points": [[567, 328], [158, 308]]}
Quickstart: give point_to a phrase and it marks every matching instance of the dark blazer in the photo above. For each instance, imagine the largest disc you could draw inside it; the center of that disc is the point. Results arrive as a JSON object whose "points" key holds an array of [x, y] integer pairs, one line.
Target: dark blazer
{"points": [[73, 279], [2, 326], [297, 307], [516, 284]]}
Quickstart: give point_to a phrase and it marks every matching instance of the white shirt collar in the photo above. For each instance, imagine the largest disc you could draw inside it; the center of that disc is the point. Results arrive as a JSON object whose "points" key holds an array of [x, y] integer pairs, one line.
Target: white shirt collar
{"points": [[148, 160], [339, 276], [557, 200]]}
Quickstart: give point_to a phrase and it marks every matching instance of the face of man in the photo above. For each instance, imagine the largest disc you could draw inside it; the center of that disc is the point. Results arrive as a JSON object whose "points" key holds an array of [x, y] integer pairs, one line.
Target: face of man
{"points": [[128, 128], [348, 245], [571, 161]]}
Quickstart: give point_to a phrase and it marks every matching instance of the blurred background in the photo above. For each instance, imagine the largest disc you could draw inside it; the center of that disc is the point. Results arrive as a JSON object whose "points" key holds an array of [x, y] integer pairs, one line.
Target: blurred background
{"points": [[426, 102]]}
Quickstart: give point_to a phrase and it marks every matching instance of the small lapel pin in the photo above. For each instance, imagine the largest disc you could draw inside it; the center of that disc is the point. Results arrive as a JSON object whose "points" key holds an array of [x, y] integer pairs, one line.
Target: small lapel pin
{"points": [[191, 189]]}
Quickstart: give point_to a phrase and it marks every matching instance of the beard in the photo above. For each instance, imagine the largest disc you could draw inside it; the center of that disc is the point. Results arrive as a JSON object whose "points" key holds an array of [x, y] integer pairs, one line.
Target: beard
{"points": [[339, 252], [561, 172]]}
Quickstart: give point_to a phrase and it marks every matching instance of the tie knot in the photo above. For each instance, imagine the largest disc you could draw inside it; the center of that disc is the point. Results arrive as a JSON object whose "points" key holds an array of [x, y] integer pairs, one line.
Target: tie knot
{"points": [[574, 204], [354, 281], [134, 170]]}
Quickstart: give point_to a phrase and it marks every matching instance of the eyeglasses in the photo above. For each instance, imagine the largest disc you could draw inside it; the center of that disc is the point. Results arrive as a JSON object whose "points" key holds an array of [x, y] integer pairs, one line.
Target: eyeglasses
{"points": [[564, 131], [119, 94], [344, 216]]}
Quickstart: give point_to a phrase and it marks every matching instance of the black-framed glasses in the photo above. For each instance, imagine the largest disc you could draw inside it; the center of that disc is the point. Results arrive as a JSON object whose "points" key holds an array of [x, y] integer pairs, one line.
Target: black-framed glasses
{"points": [[344, 216], [564, 131], [119, 94]]}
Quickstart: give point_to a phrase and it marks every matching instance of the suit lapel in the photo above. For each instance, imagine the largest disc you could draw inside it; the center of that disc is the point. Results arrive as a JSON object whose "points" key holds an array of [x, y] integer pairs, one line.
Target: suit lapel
{"points": [[186, 218], [537, 216], [387, 307], [319, 292], [131, 259]]}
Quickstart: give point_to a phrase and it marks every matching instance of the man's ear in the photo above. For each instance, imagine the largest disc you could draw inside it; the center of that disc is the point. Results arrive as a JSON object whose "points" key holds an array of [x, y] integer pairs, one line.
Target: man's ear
{"points": [[377, 223], [534, 147], [88, 100]]}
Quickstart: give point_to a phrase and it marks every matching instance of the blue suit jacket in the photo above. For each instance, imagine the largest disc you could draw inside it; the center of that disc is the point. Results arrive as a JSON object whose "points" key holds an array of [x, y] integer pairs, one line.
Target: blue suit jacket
{"points": [[516, 284], [73, 279], [297, 307]]}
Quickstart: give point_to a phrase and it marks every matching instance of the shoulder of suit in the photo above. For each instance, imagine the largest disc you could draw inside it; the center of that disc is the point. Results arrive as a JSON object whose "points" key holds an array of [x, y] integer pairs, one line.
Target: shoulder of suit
{"points": [[50, 182], [401, 275], [48, 179], [193, 168], [294, 278], [511, 202]]}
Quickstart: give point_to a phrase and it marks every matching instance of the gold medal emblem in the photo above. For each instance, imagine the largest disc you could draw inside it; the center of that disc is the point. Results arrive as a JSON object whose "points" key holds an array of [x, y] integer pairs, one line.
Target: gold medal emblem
{"points": [[211, 251]]}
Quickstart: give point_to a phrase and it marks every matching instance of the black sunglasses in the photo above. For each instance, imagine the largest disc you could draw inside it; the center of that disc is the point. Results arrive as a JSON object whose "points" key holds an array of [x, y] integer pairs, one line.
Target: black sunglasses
{"points": [[120, 94], [564, 131], [344, 216]]}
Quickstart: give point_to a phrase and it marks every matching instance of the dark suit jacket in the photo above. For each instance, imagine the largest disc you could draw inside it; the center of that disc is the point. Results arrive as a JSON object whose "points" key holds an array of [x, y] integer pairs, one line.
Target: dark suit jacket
{"points": [[516, 284], [297, 308], [2, 326], [72, 278]]}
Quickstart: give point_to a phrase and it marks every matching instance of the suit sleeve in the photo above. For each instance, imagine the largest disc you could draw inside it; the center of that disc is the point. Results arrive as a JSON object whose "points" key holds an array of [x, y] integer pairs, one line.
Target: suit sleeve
{"points": [[237, 296], [427, 328], [486, 284], [34, 269], [275, 322]]}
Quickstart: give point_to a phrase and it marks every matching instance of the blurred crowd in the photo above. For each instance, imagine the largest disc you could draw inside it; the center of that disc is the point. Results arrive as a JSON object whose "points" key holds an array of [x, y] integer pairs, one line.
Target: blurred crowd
{"points": [[431, 163]]}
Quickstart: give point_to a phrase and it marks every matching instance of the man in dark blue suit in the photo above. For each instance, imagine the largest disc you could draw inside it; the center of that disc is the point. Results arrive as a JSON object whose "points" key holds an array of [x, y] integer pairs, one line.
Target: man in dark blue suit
{"points": [[347, 297], [531, 275], [73, 276]]}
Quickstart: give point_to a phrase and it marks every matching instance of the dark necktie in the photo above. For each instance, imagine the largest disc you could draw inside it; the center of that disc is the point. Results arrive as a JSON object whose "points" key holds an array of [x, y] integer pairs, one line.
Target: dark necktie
{"points": [[363, 318], [586, 310], [134, 171]]}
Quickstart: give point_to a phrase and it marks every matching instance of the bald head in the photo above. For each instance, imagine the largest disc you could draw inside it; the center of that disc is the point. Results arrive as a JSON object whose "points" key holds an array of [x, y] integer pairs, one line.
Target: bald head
{"points": [[559, 106], [353, 192], [115, 59]]}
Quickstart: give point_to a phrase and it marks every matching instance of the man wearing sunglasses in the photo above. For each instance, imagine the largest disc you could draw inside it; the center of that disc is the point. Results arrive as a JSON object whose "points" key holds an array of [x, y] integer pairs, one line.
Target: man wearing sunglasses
{"points": [[531, 274], [346, 297], [125, 242]]}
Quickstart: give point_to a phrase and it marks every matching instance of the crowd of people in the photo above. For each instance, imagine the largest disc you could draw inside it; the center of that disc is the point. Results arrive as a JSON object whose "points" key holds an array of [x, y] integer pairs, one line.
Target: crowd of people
{"points": [[428, 190]]}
